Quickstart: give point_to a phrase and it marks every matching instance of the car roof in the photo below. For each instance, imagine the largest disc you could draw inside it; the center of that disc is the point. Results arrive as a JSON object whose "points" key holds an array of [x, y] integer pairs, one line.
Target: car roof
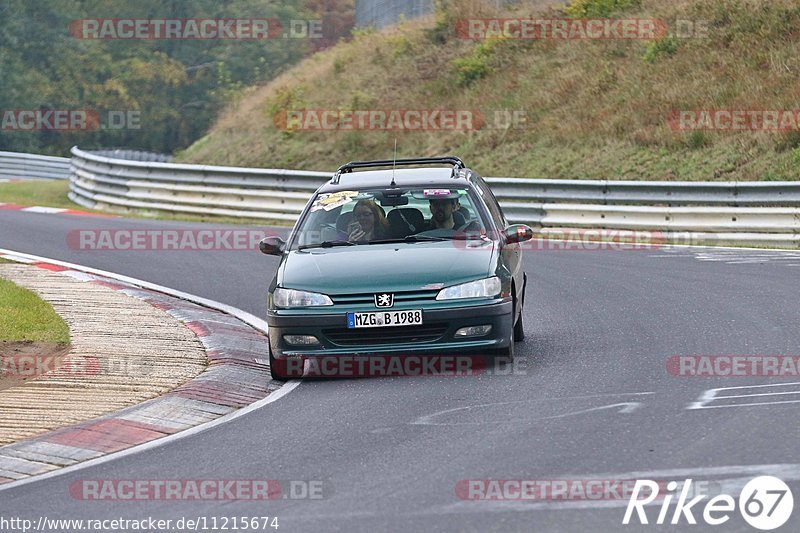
{"points": [[403, 177]]}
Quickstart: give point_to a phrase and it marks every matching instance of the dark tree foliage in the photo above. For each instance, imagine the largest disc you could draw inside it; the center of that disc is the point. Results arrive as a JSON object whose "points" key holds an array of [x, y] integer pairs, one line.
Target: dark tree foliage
{"points": [[174, 88]]}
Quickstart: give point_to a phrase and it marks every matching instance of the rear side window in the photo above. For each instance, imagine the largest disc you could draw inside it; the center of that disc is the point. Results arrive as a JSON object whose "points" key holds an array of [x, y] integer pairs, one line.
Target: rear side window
{"points": [[491, 203]]}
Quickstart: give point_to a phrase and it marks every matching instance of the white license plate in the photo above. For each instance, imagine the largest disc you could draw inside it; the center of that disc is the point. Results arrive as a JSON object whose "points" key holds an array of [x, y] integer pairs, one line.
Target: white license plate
{"points": [[380, 319]]}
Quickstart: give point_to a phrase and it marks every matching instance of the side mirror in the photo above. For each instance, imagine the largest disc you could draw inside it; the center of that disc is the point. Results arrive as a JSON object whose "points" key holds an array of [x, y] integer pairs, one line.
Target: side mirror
{"points": [[272, 246], [517, 233]]}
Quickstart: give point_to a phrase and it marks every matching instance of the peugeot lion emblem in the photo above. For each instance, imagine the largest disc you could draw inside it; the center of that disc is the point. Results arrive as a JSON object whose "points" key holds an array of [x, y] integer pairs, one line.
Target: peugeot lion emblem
{"points": [[384, 300]]}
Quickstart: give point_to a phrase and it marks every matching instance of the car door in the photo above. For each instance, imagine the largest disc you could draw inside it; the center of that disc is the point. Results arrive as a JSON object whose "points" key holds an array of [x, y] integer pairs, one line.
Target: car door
{"points": [[510, 254]]}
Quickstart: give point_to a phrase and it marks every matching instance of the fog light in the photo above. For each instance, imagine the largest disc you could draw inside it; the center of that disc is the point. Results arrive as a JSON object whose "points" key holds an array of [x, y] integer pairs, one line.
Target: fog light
{"points": [[300, 340], [473, 331]]}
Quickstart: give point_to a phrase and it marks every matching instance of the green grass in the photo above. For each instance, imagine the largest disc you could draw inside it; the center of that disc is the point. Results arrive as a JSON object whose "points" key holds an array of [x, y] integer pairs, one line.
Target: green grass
{"points": [[26, 317], [37, 192], [54, 194]]}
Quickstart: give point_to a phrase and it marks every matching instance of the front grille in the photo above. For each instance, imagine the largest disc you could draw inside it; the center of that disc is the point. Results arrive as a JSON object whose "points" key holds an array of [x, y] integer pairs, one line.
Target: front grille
{"points": [[369, 297], [390, 335]]}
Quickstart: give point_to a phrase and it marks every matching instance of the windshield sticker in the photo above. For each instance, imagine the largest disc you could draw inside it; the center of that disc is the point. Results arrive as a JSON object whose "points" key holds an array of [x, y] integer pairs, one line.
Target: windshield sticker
{"points": [[436, 192], [329, 201]]}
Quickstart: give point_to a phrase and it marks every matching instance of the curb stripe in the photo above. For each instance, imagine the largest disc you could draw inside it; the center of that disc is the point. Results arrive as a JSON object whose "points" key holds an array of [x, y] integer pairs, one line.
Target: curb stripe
{"points": [[48, 266]]}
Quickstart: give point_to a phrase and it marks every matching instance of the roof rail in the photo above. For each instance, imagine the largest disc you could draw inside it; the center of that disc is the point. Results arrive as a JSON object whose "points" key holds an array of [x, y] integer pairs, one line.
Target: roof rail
{"points": [[349, 167]]}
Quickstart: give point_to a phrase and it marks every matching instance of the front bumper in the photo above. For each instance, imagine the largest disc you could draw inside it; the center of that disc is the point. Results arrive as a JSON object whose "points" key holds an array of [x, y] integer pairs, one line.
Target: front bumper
{"points": [[435, 336]]}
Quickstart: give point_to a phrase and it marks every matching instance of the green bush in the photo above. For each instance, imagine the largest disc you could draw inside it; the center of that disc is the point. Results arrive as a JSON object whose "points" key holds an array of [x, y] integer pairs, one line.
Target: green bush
{"points": [[796, 156], [470, 69], [338, 66], [599, 8], [475, 66], [441, 32], [788, 141], [667, 45], [697, 140]]}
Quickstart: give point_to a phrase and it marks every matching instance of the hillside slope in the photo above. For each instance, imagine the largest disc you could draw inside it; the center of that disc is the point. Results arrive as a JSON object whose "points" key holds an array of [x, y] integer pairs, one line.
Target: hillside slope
{"points": [[592, 108]]}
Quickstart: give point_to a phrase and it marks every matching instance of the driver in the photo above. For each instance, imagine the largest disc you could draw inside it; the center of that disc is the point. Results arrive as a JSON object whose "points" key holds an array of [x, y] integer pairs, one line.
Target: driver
{"points": [[442, 213]]}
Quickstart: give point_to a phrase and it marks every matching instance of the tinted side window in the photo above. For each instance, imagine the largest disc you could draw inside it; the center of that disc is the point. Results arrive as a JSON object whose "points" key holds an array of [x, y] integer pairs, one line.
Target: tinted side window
{"points": [[491, 203]]}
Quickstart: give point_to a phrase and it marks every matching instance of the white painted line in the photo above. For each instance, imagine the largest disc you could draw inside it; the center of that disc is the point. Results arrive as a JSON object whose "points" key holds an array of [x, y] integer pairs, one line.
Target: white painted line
{"points": [[273, 397], [625, 408], [710, 395], [80, 276], [751, 404], [41, 209], [16, 258], [754, 395], [252, 320], [759, 386]]}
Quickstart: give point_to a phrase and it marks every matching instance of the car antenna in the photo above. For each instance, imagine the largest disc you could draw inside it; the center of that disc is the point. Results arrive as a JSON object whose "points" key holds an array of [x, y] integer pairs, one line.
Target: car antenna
{"points": [[394, 162]]}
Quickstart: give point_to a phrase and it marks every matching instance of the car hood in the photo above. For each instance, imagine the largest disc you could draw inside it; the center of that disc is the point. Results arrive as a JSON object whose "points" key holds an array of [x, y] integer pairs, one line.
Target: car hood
{"points": [[387, 267]]}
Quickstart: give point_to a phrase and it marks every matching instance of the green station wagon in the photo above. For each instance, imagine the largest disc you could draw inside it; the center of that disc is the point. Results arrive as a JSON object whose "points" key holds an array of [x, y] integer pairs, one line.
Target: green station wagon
{"points": [[412, 256]]}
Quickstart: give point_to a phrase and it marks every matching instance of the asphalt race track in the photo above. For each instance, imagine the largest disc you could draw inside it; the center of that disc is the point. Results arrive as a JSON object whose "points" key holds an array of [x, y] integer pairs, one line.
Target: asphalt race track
{"points": [[591, 397]]}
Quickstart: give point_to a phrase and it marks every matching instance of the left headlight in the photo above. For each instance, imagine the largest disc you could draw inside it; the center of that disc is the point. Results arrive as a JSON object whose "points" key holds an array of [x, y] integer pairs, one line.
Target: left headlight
{"points": [[482, 288], [294, 298]]}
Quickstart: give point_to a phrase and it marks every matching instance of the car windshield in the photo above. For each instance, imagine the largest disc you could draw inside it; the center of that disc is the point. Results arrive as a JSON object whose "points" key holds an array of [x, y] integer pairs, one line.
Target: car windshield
{"points": [[375, 216]]}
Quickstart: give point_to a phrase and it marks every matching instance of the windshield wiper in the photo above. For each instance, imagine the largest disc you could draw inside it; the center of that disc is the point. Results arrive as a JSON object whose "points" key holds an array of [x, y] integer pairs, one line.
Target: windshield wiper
{"points": [[326, 244], [411, 238], [470, 237]]}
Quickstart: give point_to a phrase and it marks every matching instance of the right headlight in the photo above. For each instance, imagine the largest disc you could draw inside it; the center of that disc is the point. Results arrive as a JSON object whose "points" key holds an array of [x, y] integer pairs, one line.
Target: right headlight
{"points": [[294, 298], [482, 288]]}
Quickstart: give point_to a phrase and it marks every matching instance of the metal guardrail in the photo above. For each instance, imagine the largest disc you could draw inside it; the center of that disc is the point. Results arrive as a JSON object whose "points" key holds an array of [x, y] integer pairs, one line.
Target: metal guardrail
{"points": [[669, 193], [133, 155], [273, 194], [738, 212], [14, 165]]}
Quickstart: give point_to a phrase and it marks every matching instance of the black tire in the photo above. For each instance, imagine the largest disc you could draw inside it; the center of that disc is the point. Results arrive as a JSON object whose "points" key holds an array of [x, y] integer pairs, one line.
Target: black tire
{"points": [[274, 370], [519, 329], [508, 351]]}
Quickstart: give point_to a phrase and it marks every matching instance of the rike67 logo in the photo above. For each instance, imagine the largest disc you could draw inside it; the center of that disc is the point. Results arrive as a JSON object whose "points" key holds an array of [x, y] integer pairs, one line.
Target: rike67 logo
{"points": [[765, 503]]}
